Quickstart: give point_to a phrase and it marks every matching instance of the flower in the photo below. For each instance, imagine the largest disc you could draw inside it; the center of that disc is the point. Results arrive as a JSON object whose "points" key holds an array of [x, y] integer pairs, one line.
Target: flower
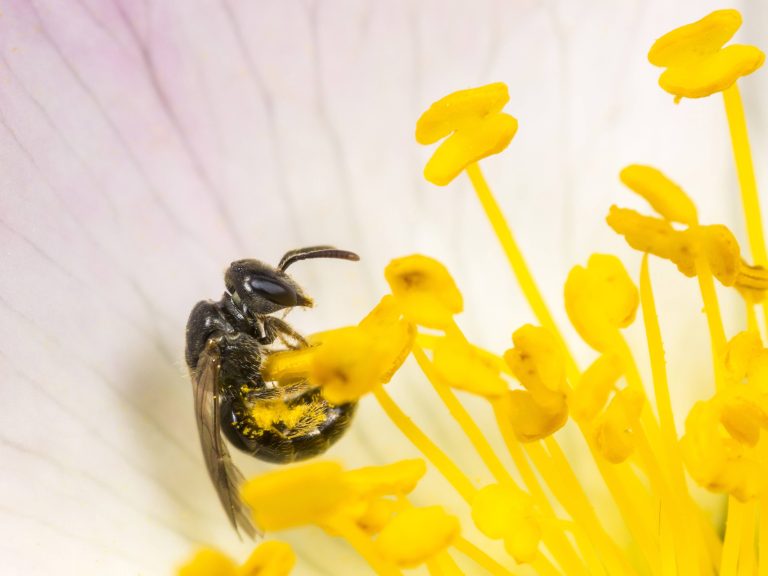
{"points": [[146, 145]]}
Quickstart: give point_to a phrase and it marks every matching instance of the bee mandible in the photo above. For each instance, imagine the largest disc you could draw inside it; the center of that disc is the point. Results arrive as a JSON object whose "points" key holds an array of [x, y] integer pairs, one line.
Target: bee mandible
{"points": [[226, 344]]}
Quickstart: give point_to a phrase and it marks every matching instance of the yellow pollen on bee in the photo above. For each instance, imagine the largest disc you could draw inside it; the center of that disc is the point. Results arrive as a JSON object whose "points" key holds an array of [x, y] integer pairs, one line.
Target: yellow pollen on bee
{"points": [[266, 414]]}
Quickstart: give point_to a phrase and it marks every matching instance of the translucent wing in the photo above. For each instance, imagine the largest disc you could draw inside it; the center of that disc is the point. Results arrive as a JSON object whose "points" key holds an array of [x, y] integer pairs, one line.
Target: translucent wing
{"points": [[223, 472]]}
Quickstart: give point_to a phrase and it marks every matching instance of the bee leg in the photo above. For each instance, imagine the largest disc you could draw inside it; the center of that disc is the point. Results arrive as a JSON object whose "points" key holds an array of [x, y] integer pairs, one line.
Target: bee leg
{"points": [[280, 329]]}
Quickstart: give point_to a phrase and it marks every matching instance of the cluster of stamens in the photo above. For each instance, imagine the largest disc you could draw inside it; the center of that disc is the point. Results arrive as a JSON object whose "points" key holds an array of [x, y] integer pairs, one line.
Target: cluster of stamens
{"points": [[543, 514]]}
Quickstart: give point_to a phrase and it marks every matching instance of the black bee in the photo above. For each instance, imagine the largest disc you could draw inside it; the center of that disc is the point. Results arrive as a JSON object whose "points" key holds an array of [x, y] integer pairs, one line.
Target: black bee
{"points": [[227, 341]]}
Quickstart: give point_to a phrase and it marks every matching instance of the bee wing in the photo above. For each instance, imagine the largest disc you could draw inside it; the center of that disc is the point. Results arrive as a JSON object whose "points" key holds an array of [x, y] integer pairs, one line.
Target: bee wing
{"points": [[223, 472]]}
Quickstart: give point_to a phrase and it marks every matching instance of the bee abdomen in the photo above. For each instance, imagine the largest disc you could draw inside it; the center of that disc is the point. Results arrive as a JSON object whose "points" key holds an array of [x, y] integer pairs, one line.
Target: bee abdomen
{"points": [[280, 431]]}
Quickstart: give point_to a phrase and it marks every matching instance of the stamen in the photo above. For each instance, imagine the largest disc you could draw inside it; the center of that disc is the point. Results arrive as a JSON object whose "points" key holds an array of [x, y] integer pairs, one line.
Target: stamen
{"points": [[462, 417], [516, 261], [480, 558], [762, 566], [640, 459], [670, 450], [417, 534], [735, 525], [435, 455]]}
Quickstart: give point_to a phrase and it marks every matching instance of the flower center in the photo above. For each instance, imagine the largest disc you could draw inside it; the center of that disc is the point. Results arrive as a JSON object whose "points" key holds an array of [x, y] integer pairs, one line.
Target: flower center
{"points": [[541, 513]]}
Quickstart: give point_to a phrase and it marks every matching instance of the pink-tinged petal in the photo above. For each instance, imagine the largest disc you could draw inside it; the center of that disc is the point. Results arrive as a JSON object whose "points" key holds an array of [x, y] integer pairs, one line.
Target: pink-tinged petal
{"points": [[145, 145]]}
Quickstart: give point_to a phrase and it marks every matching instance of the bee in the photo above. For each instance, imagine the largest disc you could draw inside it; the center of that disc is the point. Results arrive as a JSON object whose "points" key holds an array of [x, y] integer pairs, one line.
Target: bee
{"points": [[226, 344]]}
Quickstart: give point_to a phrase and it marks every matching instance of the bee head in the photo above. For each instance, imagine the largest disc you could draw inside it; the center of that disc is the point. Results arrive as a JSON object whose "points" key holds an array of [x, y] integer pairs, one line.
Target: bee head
{"points": [[263, 289]]}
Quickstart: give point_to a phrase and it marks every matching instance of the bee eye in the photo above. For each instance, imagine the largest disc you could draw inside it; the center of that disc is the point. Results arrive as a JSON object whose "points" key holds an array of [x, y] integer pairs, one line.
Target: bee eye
{"points": [[273, 291]]}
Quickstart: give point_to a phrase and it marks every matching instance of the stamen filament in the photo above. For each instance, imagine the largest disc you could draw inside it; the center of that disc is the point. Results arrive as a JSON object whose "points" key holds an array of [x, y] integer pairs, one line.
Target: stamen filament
{"points": [[670, 448], [747, 558], [762, 565], [421, 441], [714, 318], [734, 526], [480, 558], [462, 417], [742, 155], [517, 262], [544, 567], [596, 567], [658, 369], [751, 317], [561, 547], [429, 341], [564, 483], [566, 488], [443, 565], [676, 545]]}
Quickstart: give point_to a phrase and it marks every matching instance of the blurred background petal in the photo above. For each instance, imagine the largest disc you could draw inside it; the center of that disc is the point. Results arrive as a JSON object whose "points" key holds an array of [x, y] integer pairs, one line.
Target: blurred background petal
{"points": [[145, 145]]}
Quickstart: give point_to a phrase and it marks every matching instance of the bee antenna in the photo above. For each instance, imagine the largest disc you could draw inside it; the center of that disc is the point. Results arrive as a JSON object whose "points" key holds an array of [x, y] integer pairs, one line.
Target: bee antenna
{"points": [[315, 252]]}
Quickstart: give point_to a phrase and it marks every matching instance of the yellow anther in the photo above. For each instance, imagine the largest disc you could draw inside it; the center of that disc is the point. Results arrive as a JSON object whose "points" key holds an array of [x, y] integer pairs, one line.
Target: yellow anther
{"points": [[742, 419], [697, 64], [377, 514], [682, 247], [752, 283], [417, 534], [654, 236], [272, 558], [757, 372], [396, 479], [208, 561], [714, 74], [384, 314], [287, 366], [496, 507], [666, 197], [691, 42], [614, 434], [718, 449], [502, 512], [343, 365], [722, 251], [591, 394], [740, 352], [394, 336], [297, 496], [523, 543], [459, 110], [532, 421], [424, 290], [349, 362], [466, 368], [476, 125], [600, 299], [537, 361]]}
